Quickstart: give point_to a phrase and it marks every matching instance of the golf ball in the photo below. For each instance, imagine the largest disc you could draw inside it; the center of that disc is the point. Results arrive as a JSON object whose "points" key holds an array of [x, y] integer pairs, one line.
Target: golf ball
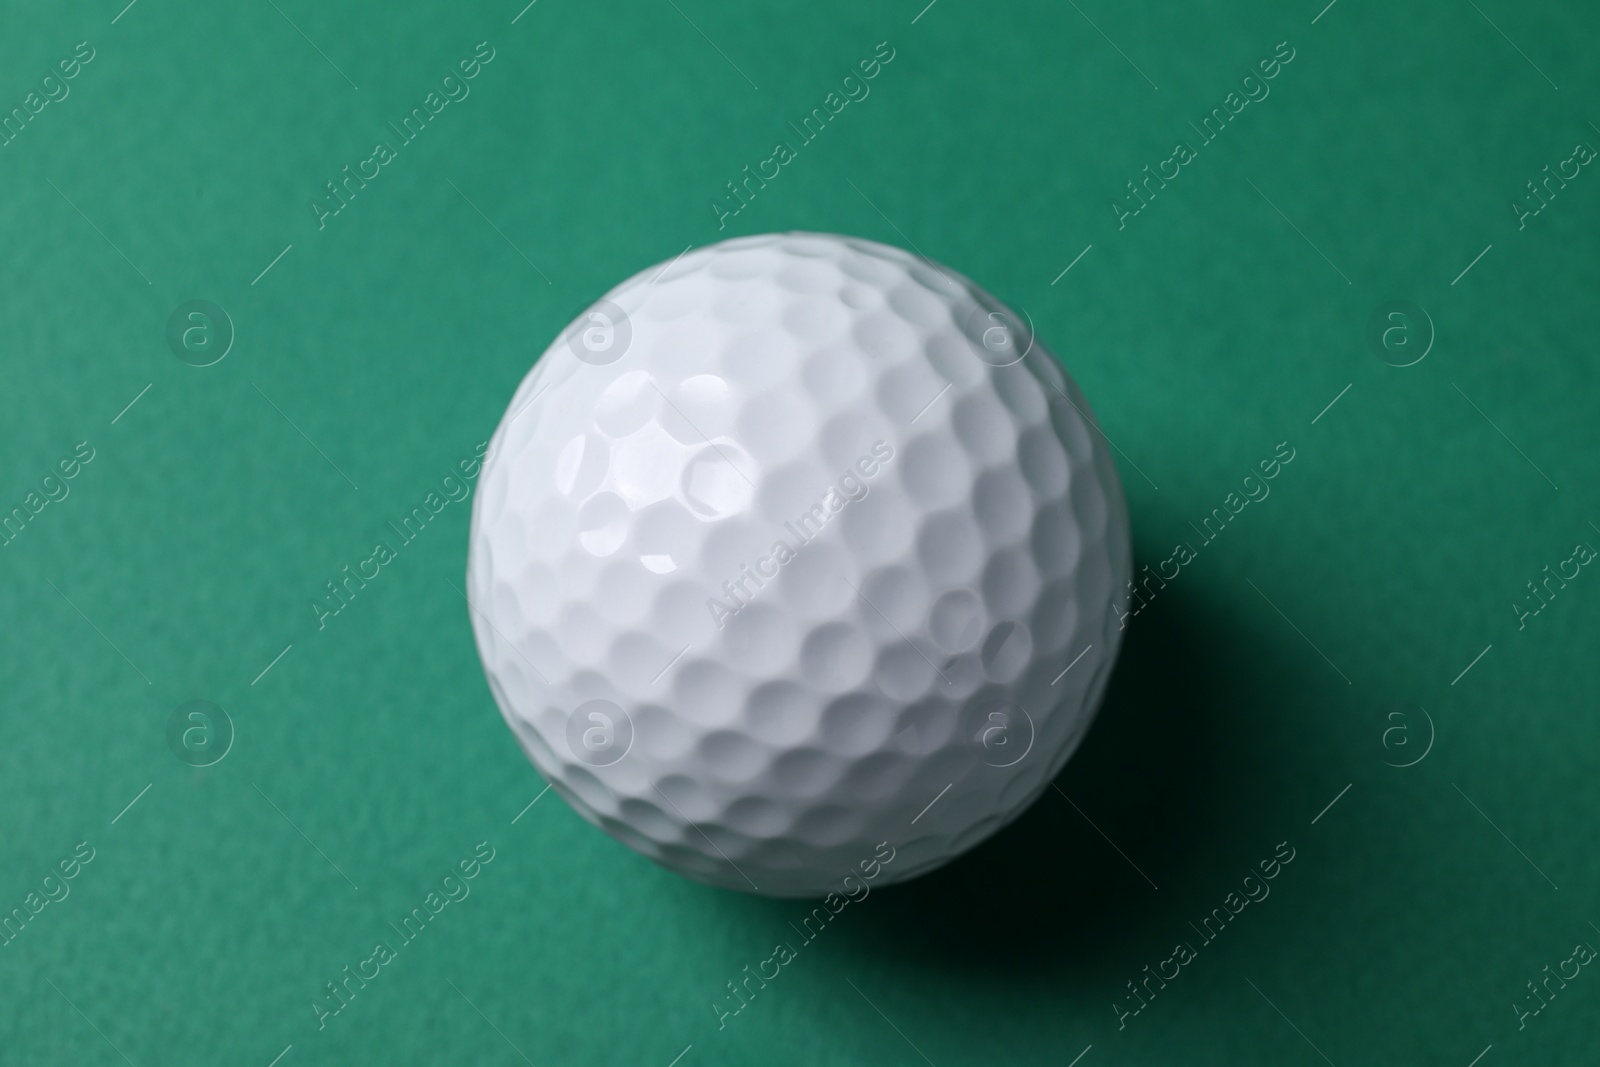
{"points": [[794, 553]]}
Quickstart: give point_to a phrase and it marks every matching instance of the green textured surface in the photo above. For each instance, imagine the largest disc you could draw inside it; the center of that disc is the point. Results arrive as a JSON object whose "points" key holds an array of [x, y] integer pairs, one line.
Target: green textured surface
{"points": [[1216, 323]]}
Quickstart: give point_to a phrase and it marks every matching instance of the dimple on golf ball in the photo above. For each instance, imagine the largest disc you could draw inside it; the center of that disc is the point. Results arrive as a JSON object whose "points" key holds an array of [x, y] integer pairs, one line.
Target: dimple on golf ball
{"points": [[793, 547]]}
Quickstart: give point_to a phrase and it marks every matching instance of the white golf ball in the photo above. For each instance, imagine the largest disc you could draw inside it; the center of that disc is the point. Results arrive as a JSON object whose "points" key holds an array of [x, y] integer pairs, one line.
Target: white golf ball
{"points": [[796, 553]]}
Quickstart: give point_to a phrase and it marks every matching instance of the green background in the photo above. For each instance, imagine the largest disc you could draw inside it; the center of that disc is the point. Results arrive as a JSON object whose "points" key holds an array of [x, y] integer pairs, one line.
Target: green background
{"points": [[1221, 320]]}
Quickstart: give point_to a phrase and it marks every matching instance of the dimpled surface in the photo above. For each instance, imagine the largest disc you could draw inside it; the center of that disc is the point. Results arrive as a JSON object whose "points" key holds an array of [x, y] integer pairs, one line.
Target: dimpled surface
{"points": [[794, 547]]}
